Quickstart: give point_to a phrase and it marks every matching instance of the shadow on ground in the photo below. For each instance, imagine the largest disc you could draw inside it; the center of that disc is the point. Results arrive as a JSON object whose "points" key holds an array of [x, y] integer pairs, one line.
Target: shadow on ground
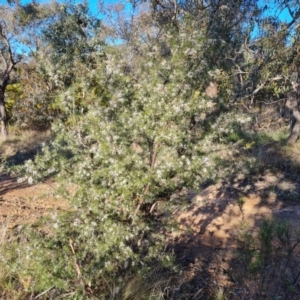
{"points": [[7, 184], [222, 238], [15, 150]]}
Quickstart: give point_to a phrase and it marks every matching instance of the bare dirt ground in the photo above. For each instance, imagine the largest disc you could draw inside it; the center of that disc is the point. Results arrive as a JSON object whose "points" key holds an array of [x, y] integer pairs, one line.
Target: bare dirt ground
{"points": [[217, 215], [210, 228], [21, 203]]}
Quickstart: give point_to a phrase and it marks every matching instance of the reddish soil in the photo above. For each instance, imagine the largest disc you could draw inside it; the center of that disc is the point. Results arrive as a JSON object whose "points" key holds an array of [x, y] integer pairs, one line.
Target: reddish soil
{"points": [[21, 203], [207, 241]]}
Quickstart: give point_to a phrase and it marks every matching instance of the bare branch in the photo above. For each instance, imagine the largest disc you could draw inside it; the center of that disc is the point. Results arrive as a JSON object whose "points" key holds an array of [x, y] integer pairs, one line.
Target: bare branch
{"points": [[289, 9]]}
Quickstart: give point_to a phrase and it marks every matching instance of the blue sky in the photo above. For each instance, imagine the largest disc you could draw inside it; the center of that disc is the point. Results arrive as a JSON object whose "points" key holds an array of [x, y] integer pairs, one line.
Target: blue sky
{"points": [[93, 4], [273, 11], [284, 15]]}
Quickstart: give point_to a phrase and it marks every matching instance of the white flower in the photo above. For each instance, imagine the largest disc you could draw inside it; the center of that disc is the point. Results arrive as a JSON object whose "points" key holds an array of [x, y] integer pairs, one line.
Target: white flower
{"points": [[20, 180], [190, 52], [30, 180]]}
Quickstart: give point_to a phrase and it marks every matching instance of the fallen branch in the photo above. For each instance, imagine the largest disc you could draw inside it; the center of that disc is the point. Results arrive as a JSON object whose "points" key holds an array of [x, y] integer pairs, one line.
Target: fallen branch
{"points": [[77, 267], [75, 261], [45, 292]]}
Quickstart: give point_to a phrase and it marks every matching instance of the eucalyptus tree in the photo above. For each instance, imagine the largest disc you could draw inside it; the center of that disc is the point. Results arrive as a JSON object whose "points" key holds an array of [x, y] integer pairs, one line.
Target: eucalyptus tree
{"points": [[60, 39], [291, 69], [70, 41], [266, 65], [72, 34], [10, 55], [19, 40]]}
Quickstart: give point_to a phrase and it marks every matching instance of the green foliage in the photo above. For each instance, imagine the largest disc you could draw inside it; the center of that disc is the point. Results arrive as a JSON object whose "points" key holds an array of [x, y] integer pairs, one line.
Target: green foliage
{"points": [[32, 98], [13, 91], [132, 125], [255, 259], [71, 34], [62, 38], [266, 237], [269, 257], [148, 134]]}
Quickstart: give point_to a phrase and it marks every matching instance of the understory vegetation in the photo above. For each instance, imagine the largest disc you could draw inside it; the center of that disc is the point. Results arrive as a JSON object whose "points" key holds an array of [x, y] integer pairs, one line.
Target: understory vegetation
{"points": [[157, 99]]}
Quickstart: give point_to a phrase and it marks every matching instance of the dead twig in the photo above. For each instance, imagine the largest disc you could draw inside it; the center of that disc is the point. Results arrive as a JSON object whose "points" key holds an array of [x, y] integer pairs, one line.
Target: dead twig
{"points": [[45, 292], [77, 267]]}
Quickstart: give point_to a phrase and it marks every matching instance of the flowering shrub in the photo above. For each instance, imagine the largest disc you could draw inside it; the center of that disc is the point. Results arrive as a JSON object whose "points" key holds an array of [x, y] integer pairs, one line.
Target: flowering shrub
{"points": [[153, 133]]}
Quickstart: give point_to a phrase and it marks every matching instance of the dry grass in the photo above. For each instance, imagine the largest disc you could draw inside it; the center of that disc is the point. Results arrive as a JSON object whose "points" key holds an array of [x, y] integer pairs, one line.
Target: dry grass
{"points": [[3, 232], [18, 141], [156, 284], [8, 279], [20, 146]]}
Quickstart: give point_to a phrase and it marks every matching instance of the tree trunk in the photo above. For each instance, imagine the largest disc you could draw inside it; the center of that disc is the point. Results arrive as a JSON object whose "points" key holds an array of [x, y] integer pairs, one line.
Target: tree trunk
{"points": [[294, 134], [3, 116], [296, 128], [292, 104]]}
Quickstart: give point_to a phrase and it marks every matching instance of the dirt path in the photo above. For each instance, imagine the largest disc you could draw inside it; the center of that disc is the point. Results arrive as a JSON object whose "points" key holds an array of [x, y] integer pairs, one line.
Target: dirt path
{"points": [[21, 203]]}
